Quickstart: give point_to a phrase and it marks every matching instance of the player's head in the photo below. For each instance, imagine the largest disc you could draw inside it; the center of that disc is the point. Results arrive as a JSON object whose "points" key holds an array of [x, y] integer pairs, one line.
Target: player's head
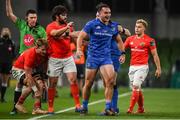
{"points": [[41, 46], [140, 27], [59, 13], [5, 33], [104, 12], [31, 17]]}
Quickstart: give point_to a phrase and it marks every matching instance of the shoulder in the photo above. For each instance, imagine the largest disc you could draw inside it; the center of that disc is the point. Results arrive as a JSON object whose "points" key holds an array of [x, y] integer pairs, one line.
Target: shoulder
{"points": [[92, 22], [148, 38], [131, 37]]}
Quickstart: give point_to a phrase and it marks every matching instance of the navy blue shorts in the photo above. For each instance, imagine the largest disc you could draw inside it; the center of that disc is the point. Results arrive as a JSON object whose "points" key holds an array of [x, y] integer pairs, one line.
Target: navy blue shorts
{"points": [[96, 63]]}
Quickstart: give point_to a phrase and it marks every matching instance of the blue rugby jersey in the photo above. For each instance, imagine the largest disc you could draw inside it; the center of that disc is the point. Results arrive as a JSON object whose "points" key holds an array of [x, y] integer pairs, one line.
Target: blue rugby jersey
{"points": [[100, 38], [114, 47]]}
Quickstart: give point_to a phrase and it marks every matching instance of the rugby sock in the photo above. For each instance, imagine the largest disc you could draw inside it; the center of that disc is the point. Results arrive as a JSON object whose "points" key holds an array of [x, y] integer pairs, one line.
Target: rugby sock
{"points": [[85, 104], [134, 99], [3, 90], [51, 95], [141, 101], [37, 104], [21, 99], [17, 94], [114, 98], [75, 94], [108, 104]]}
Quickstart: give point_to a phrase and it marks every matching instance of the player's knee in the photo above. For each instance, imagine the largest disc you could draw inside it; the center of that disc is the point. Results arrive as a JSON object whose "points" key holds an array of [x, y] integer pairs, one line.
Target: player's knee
{"points": [[136, 86], [110, 83], [89, 84]]}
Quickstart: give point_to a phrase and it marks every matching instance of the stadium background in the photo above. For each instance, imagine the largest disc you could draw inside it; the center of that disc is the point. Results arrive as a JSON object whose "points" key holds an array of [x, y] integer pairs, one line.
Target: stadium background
{"points": [[163, 17]]}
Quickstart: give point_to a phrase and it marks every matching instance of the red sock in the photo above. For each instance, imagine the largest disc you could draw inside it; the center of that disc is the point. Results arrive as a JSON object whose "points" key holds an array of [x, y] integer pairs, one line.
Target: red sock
{"points": [[75, 94], [21, 100], [37, 104], [141, 100], [51, 94], [134, 99]]}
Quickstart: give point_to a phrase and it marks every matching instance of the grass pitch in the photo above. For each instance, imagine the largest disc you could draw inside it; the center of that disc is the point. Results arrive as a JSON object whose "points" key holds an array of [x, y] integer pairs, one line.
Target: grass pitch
{"points": [[159, 104]]}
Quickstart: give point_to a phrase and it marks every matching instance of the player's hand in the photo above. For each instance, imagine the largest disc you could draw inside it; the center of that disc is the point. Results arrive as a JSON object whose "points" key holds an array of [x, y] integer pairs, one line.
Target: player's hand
{"points": [[70, 24], [122, 58], [37, 94], [79, 52], [158, 73]]}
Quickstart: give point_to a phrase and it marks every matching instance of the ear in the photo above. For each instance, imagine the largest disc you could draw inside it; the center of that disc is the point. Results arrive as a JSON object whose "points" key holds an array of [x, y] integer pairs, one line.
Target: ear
{"points": [[26, 18]]}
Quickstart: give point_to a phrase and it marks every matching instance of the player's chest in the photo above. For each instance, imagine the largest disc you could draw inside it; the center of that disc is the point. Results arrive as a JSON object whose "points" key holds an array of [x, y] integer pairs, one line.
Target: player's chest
{"points": [[138, 44]]}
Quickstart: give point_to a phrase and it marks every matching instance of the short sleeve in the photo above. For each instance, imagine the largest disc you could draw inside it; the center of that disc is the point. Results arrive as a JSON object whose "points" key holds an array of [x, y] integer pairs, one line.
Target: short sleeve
{"points": [[126, 43], [29, 62], [152, 44], [87, 28], [20, 23]]}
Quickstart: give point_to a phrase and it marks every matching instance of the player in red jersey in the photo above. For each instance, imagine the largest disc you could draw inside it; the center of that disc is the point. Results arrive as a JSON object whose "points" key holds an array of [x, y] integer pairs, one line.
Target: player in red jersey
{"points": [[140, 44], [60, 33], [23, 70]]}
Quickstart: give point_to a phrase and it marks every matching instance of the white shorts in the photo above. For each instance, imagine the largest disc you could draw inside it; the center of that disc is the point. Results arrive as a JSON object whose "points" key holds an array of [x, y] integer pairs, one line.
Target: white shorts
{"points": [[18, 74], [137, 74], [56, 66]]}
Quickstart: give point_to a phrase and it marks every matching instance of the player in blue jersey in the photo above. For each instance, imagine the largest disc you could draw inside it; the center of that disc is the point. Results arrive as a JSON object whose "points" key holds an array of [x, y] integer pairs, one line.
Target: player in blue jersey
{"points": [[100, 31], [115, 53]]}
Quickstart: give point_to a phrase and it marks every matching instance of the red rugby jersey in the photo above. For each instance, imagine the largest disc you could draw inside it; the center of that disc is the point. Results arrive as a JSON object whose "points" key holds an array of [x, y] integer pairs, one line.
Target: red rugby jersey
{"points": [[140, 48], [59, 47]]}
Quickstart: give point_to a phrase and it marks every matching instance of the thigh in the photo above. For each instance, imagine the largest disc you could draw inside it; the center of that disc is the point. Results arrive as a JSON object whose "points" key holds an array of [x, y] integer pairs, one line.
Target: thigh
{"points": [[107, 71], [140, 75], [55, 67], [69, 65], [90, 74]]}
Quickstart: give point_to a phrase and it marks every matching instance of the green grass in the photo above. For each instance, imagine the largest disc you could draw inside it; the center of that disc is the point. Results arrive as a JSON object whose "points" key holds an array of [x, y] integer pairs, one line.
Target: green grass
{"points": [[159, 104]]}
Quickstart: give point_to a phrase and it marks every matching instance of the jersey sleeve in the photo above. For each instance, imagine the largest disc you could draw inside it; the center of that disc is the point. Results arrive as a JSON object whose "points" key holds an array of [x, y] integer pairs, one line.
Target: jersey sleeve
{"points": [[87, 28], [49, 28], [126, 43], [20, 23], [152, 44], [42, 32], [29, 62]]}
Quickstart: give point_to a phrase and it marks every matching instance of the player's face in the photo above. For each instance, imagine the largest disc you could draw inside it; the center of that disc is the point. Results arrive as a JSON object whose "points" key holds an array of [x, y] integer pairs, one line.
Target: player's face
{"points": [[32, 19], [105, 14], [42, 50], [139, 29], [63, 18]]}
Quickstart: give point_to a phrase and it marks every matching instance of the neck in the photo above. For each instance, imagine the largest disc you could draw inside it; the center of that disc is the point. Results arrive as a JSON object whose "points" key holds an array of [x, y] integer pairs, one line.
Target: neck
{"points": [[106, 23], [140, 35]]}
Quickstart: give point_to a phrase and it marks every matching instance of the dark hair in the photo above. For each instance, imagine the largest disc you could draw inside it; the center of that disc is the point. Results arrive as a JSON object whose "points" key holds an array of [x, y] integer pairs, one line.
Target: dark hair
{"points": [[101, 5], [57, 10], [40, 42], [30, 11]]}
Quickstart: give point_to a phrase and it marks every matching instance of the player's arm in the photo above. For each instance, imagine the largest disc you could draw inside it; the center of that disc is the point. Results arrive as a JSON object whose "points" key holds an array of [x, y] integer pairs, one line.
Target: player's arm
{"points": [[81, 37], [124, 31], [59, 32], [121, 48], [9, 11], [157, 62]]}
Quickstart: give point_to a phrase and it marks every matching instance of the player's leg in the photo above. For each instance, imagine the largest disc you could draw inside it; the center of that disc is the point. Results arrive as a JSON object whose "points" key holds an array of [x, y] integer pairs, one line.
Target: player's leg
{"points": [[54, 70], [89, 78], [19, 76], [19, 105], [107, 72], [114, 102], [71, 73], [139, 76], [37, 104]]}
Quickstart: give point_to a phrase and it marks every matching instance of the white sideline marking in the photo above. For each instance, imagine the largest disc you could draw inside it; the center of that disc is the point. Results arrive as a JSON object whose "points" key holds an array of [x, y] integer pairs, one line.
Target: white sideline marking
{"points": [[72, 108]]}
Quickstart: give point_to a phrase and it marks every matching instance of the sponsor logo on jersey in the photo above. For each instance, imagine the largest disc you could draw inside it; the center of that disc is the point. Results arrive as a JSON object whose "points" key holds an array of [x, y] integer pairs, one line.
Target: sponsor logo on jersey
{"points": [[28, 40]]}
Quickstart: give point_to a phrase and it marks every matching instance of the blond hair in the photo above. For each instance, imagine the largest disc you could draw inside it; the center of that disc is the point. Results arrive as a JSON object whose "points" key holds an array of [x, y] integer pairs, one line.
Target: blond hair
{"points": [[145, 24]]}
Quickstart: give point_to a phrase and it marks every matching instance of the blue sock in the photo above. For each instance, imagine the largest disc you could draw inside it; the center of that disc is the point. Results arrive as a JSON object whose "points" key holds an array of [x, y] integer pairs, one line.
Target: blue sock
{"points": [[85, 104], [108, 104], [114, 98]]}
